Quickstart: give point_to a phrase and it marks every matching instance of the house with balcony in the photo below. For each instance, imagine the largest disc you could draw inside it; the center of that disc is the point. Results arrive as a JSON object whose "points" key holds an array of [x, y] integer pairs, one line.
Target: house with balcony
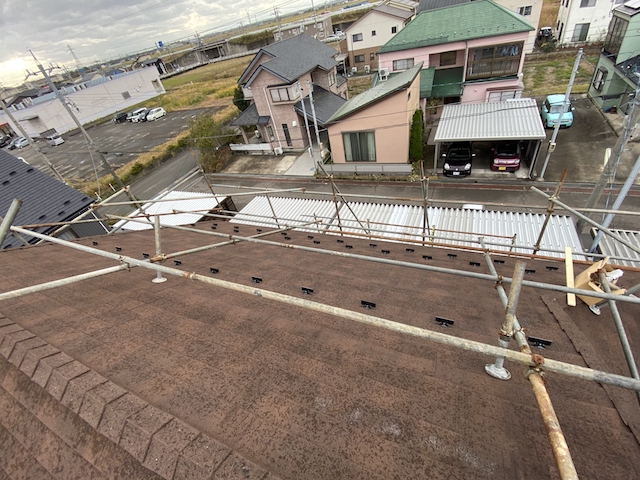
{"points": [[471, 53], [375, 28], [529, 9], [617, 74], [285, 81], [583, 21]]}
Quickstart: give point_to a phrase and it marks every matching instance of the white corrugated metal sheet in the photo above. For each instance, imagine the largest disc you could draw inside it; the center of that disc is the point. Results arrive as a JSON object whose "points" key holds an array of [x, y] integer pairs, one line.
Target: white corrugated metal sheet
{"points": [[404, 222], [174, 201], [513, 119], [611, 247]]}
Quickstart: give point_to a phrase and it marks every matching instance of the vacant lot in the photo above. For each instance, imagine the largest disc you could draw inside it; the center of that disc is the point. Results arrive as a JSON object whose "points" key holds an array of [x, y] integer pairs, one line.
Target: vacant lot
{"points": [[546, 73]]}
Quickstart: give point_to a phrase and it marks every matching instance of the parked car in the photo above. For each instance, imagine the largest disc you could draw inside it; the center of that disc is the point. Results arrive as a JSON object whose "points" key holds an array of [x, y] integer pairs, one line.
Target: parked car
{"points": [[550, 112], [120, 117], [137, 114], [458, 159], [21, 142], [54, 139], [506, 156], [155, 113], [5, 140]]}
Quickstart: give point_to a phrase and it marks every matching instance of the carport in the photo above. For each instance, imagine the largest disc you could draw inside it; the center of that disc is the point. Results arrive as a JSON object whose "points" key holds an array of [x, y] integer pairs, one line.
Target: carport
{"points": [[516, 119]]}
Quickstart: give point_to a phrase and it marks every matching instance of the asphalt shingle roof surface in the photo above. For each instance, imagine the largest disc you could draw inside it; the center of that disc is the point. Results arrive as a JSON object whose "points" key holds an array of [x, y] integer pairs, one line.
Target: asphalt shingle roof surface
{"points": [[325, 102], [377, 93], [466, 21], [296, 393], [44, 199], [295, 56]]}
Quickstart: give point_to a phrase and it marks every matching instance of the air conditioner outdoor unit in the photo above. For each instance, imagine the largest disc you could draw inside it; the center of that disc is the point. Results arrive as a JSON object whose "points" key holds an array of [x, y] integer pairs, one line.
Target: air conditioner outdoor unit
{"points": [[278, 150], [383, 73], [367, 69], [354, 69]]}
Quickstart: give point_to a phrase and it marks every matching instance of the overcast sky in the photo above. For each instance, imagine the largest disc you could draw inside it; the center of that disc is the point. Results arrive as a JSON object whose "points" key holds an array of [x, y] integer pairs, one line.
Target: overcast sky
{"points": [[104, 29]]}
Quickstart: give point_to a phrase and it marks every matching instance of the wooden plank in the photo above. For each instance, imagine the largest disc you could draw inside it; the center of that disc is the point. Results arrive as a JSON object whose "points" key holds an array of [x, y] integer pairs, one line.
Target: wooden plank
{"points": [[568, 263]]}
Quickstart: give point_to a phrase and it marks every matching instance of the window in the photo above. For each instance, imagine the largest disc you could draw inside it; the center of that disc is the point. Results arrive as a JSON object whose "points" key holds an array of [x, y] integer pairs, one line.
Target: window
{"points": [[332, 78], [599, 78], [580, 32], [359, 58], [615, 35], [373, 33], [372, 57], [356, 37], [287, 135], [498, 60], [402, 64], [270, 132], [587, 3], [359, 146], [284, 94], [524, 11], [394, 29], [448, 58], [126, 95]]}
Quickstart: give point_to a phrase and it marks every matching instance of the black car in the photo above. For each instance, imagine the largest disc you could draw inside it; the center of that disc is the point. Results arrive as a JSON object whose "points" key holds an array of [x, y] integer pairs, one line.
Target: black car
{"points": [[458, 159], [120, 117]]}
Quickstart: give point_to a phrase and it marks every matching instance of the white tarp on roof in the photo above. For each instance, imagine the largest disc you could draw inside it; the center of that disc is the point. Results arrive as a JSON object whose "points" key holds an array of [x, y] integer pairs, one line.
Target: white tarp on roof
{"points": [[611, 247], [199, 203], [405, 222], [513, 119]]}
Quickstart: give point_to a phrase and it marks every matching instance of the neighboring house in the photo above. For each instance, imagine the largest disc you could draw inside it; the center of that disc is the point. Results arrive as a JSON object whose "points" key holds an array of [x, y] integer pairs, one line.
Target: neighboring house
{"points": [[616, 75], [374, 29], [471, 52], [318, 27], [90, 101], [583, 21], [529, 9], [375, 126], [275, 82], [44, 200]]}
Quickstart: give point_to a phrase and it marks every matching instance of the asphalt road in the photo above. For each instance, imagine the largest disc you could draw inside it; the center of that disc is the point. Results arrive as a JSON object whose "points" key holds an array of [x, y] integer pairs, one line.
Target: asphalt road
{"points": [[127, 140]]}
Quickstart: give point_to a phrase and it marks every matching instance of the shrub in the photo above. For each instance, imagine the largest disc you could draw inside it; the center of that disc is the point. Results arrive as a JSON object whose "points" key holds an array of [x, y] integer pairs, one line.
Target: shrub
{"points": [[238, 99], [415, 140]]}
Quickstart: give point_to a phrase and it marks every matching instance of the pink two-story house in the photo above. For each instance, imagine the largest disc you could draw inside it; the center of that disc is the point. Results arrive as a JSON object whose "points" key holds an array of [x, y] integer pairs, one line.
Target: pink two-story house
{"points": [[472, 53], [278, 81]]}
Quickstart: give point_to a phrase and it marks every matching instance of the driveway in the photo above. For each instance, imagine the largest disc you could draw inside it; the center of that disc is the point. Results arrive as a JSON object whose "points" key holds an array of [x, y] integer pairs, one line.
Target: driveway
{"points": [[127, 140]]}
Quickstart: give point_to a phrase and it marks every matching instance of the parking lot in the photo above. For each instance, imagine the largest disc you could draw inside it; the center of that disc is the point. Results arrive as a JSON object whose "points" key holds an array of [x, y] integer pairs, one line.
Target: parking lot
{"points": [[121, 141]]}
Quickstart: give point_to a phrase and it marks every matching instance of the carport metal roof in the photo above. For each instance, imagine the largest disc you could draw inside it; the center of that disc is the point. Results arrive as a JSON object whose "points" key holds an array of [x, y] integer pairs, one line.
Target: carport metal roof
{"points": [[512, 119]]}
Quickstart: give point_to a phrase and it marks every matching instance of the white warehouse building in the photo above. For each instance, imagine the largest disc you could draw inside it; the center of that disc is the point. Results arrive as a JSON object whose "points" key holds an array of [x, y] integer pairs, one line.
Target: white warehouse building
{"points": [[89, 100]]}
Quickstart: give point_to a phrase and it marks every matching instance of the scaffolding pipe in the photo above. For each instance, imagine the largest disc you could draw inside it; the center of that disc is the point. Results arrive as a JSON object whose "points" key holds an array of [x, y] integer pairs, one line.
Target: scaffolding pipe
{"points": [[156, 233], [512, 300], [336, 189], [9, 218], [464, 273], [17, 235], [556, 194], [622, 334], [469, 345], [559, 447], [633, 247], [419, 200], [62, 282]]}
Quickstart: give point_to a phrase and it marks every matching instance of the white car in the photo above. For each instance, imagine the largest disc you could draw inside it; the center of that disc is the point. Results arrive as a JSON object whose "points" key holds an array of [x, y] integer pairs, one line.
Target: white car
{"points": [[136, 114], [155, 114], [21, 142]]}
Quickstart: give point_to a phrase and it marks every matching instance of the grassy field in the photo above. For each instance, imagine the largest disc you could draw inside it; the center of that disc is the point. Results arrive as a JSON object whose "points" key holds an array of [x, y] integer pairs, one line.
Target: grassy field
{"points": [[550, 72]]}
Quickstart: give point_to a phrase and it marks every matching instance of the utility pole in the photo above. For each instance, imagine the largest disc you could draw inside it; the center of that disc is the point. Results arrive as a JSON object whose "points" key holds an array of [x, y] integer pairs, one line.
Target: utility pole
{"points": [[73, 54], [613, 161], [313, 114], [92, 145], [552, 143], [276, 13], [306, 122], [32, 143]]}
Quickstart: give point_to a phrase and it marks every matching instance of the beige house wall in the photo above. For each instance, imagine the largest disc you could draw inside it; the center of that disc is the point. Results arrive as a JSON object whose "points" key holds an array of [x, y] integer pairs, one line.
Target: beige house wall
{"points": [[390, 120]]}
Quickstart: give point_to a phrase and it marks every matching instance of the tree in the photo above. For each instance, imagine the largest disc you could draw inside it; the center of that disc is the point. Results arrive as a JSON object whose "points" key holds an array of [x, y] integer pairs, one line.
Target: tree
{"points": [[238, 99], [209, 136], [415, 140]]}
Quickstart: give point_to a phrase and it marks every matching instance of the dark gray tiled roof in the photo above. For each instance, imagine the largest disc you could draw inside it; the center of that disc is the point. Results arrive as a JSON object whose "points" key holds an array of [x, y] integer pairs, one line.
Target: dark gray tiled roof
{"points": [[396, 12], [298, 55], [433, 4], [44, 199], [326, 104], [250, 117]]}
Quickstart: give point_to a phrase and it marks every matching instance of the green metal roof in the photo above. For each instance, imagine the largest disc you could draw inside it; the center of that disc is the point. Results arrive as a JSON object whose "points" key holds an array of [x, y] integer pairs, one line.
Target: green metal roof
{"points": [[466, 21], [377, 93]]}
